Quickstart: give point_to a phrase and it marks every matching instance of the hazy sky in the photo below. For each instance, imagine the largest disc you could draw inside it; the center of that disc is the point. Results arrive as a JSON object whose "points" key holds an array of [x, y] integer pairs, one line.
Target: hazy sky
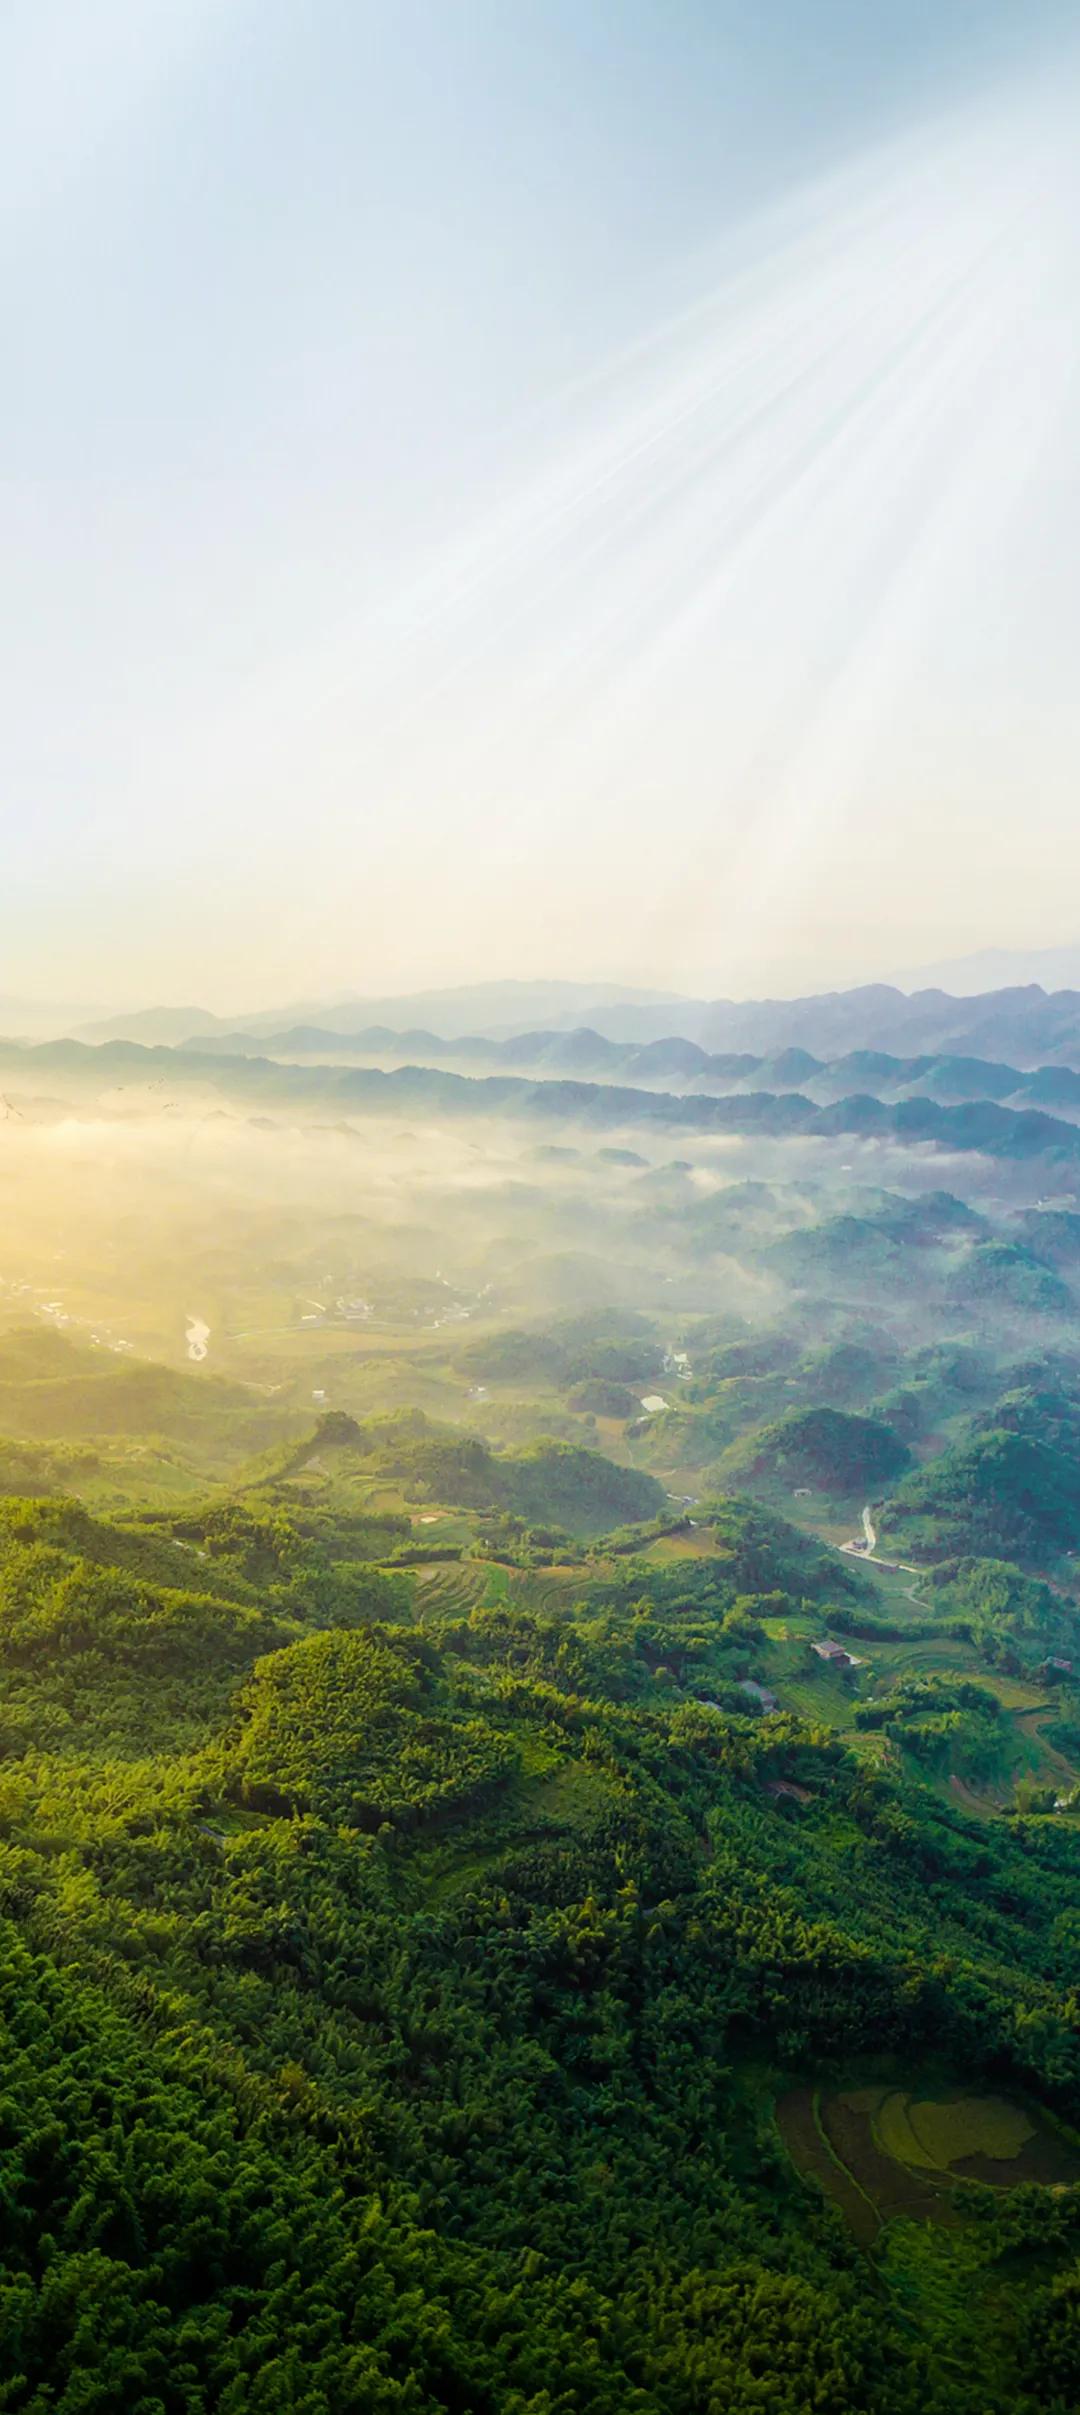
{"points": [[501, 487]]}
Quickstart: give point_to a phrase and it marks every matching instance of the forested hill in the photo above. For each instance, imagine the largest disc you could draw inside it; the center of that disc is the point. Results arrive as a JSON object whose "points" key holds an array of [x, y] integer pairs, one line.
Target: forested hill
{"points": [[539, 1764], [829, 1449], [413, 1976]]}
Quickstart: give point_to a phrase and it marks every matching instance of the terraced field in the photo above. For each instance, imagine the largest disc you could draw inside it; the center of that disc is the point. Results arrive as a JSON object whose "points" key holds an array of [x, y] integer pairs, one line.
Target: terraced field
{"points": [[823, 1701], [449, 1588], [884, 2153], [924, 1656], [1046, 1759], [811, 2151], [547, 1591]]}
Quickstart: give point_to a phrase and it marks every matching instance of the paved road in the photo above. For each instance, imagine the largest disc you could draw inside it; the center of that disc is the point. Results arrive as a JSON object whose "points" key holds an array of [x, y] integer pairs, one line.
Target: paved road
{"points": [[867, 1550]]}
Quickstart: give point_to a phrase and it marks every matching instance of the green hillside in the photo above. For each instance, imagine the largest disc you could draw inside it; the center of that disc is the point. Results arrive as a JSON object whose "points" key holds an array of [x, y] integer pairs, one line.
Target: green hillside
{"points": [[57, 1391], [1004, 1275], [830, 1450], [548, 1480], [1003, 1495], [496, 1926], [408, 2017]]}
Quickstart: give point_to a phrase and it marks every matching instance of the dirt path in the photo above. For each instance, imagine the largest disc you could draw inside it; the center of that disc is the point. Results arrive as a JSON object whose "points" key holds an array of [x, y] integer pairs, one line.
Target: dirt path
{"points": [[1030, 1724]]}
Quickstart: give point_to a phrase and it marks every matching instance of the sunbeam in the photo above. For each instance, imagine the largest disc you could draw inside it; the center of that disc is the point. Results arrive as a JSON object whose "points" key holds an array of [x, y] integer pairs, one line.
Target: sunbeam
{"points": [[737, 550]]}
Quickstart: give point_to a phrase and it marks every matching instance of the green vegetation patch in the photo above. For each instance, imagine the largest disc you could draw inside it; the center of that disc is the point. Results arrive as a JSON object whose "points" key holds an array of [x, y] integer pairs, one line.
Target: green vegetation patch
{"points": [[1002, 1496], [950, 2128], [826, 1449], [895, 2188], [355, 1727], [897, 2135]]}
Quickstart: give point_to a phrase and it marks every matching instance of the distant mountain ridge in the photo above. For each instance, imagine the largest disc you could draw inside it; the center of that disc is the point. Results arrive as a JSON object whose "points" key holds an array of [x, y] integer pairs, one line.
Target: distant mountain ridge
{"points": [[676, 1063], [495, 1007], [1025, 1027], [150, 1074], [998, 968]]}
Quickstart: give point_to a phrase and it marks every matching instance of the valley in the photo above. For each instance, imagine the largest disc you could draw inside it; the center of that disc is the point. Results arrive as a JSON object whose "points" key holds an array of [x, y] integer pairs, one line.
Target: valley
{"points": [[540, 1735]]}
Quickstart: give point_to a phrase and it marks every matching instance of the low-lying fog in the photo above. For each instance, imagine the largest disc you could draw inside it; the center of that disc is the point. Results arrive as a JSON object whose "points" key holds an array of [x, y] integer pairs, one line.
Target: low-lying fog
{"points": [[174, 1222]]}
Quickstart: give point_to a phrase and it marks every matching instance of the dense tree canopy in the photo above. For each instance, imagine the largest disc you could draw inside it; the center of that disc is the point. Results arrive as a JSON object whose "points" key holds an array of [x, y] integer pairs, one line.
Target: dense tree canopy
{"points": [[398, 2035]]}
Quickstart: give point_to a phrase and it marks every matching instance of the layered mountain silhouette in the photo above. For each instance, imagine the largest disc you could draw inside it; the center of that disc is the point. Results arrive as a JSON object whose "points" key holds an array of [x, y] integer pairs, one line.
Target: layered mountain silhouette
{"points": [[155, 1077], [676, 1064], [1024, 1026]]}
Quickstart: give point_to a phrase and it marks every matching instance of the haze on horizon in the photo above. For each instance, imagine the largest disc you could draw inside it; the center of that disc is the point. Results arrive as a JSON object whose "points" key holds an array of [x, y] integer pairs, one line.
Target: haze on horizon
{"points": [[583, 490]]}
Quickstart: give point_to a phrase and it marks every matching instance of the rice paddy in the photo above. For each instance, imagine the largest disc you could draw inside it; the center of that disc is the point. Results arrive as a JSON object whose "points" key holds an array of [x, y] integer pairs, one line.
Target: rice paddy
{"points": [[882, 2153]]}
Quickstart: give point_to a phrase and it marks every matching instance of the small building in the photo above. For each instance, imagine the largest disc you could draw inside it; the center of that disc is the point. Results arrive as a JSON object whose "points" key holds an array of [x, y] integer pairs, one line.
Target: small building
{"points": [[836, 1655], [1057, 1666], [758, 1693]]}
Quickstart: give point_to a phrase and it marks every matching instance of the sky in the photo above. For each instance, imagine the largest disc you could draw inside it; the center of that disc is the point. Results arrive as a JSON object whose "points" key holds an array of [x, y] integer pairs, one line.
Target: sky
{"points": [[501, 488]]}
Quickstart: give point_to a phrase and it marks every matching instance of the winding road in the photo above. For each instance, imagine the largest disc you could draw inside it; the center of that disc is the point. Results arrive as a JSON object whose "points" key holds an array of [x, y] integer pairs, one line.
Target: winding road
{"points": [[867, 1550]]}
